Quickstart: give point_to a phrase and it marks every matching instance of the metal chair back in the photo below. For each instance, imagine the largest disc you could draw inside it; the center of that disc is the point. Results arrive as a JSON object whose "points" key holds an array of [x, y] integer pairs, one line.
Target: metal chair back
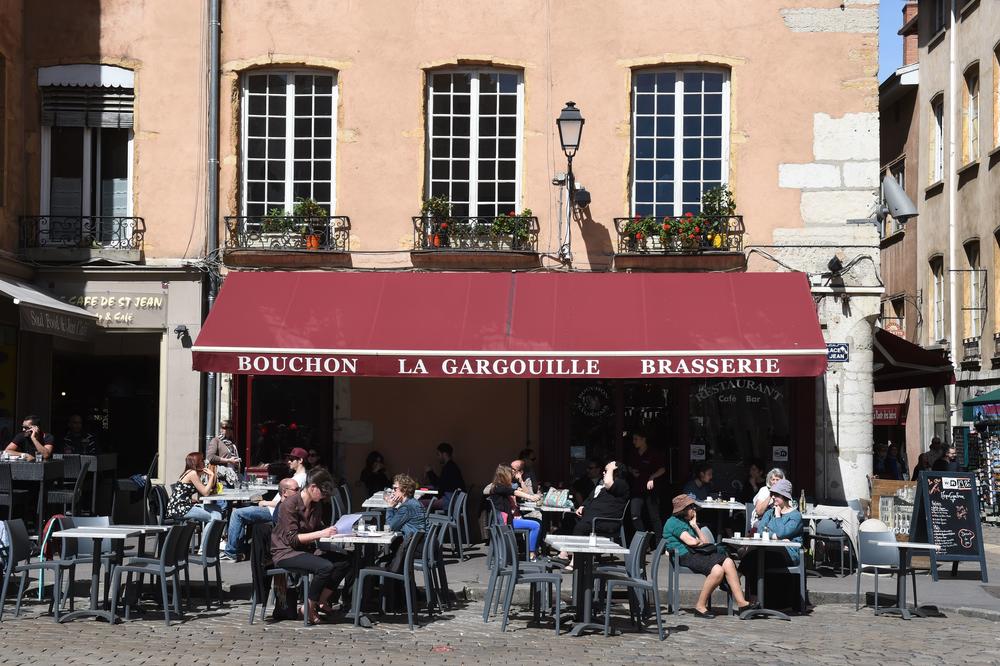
{"points": [[20, 543], [345, 492], [872, 555], [636, 554], [85, 547]]}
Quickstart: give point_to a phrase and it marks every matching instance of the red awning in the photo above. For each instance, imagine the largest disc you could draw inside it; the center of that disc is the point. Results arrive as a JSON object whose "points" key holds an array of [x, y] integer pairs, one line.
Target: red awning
{"points": [[513, 325], [900, 364]]}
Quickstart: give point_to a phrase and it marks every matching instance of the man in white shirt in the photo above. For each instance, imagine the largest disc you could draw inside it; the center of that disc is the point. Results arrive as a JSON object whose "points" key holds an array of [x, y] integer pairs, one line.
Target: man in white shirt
{"points": [[297, 463], [250, 515]]}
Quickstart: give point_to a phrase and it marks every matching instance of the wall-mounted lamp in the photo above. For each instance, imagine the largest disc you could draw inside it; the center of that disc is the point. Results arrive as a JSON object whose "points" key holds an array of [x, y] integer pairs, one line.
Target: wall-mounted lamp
{"points": [[182, 333]]}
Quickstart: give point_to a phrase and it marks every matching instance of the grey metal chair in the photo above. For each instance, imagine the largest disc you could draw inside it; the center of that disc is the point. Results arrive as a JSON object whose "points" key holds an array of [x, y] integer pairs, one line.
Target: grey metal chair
{"points": [[262, 570], [209, 558], [877, 561], [164, 567], [75, 469], [519, 575], [453, 528], [648, 584], [620, 521], [8, 493], [829, 532], [20, 562], [345, 493], [431, 565], [633, 566], [674, 579], [412, 544], [501, 569]]}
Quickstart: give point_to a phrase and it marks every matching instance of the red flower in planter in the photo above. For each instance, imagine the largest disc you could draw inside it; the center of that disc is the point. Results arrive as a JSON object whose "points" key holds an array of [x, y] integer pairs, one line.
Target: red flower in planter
{"points": [[444, 225], [666, 227], [638, 236], [510, 214], [697, 230], [688, 214]]}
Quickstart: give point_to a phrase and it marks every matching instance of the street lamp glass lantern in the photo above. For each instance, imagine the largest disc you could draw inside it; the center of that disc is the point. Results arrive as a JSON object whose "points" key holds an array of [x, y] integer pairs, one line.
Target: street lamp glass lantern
{"points": [[570, 124]]}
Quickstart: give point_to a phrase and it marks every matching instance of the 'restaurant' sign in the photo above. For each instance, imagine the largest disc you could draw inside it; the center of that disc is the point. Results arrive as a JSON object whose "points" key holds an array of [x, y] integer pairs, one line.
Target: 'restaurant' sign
{"points": [[503, 365]]}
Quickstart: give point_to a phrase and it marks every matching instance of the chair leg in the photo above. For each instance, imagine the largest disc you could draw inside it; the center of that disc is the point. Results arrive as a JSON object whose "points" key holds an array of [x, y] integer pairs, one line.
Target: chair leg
{"points": [[3, 592], [57, 593], [304, 581], [218, 581], [913, 577], [607, 608], [356, 602], [116, 580], [20, 593], [558, 604], [506, 604], [253, 603], [166, 602], [176, 585], [876, 591], [656, 609], [410, 592]]}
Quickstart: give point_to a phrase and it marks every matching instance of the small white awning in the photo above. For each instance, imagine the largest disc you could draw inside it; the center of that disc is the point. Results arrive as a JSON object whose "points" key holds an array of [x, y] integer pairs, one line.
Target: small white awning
{"points": [[97, 76], [42, 313]]}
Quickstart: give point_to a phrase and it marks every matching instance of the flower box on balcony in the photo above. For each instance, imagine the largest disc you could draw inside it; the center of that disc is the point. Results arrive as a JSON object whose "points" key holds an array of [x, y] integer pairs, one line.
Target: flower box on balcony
{"points": [[501, 242]]}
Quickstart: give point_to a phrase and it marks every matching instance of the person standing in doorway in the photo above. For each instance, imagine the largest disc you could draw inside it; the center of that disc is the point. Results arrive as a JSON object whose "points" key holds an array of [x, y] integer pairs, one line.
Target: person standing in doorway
{"points": [[645, 467], [450, 479], [77, 441], [222, 453]]}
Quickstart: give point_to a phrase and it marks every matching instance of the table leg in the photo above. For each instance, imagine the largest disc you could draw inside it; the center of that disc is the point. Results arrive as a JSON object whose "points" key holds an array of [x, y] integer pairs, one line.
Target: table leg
{"points": [[901, 608], [42, 497], [356, 563], [584, 572], [762, 611], [93, 493], [95, 609]]}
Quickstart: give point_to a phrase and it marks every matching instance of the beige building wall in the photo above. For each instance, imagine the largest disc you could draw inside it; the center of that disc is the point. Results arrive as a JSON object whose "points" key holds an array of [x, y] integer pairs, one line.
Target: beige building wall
{"points": [[12, 71], [803, 155], [976, 183]]}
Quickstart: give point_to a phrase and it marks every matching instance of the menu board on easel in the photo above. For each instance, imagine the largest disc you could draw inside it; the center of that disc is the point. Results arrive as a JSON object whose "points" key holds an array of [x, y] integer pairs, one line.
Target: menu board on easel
{"points": [[946, 513]]}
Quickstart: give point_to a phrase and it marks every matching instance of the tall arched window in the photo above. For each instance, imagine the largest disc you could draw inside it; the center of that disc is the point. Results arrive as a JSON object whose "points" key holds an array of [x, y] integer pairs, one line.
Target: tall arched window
{"points": [[936, 140], [970, 150]]}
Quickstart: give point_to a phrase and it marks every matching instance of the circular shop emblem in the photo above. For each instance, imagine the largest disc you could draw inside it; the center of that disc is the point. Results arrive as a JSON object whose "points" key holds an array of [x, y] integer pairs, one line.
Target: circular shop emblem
{"points": [[593, 401]]}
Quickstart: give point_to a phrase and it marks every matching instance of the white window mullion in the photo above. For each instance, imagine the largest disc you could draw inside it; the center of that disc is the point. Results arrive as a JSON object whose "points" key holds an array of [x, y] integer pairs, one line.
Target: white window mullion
{"points": [[46, 175], [473, 143], [289, 142], [726, 128], [519, 146], [678, 143], [99, 199]]}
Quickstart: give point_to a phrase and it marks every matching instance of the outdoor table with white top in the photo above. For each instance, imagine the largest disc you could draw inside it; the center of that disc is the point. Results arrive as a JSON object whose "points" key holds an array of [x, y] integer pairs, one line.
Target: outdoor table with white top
{"points": [[359, 540], [117, 536], [904, 548], [583, 571], [377, 501], [720, 506], [533, 506], [762, 544]]}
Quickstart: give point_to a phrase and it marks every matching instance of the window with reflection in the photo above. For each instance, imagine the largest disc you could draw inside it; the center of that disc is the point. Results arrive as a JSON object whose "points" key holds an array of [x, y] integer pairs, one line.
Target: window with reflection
{"points": [[289, 139], [474, 120], [680, 138]]}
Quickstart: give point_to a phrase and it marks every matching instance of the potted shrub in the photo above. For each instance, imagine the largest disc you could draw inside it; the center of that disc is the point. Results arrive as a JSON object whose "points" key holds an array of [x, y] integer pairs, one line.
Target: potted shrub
{"points": [[639, 230], [274, 228], [436, 212], [717, 206], [311, 218], [511, 231]]}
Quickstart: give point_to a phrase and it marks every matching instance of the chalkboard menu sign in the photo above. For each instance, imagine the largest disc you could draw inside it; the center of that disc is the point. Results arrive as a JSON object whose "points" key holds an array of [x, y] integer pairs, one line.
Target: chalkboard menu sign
{"points": [[946, 513]]}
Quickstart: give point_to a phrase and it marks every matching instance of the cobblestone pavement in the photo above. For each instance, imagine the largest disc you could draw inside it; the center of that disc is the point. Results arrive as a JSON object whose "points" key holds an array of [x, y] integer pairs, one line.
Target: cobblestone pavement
{"points": [[833, 634]]}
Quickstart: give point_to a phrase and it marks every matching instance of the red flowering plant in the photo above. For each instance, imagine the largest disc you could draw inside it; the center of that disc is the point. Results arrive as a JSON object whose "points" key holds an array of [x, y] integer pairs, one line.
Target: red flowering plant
{"points": [[640, 229], [690, 227], [436, 212]]}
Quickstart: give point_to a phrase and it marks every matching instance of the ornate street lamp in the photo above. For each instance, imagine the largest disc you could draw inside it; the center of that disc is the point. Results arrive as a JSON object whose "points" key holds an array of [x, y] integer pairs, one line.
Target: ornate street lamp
{"points": [[570, 124]]}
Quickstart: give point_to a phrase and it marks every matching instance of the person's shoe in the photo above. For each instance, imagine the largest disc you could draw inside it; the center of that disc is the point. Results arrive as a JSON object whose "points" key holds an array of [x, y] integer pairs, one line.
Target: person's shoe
{"points": [[748, 606], [708, 615], [226, 557]]}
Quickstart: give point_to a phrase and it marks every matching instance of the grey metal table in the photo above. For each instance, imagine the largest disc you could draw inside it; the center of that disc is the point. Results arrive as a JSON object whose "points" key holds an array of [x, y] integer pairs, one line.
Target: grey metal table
{"points": [[762, 544], [359, 540], [40, 473], [901, 609], [117, 536], [583, 573]]}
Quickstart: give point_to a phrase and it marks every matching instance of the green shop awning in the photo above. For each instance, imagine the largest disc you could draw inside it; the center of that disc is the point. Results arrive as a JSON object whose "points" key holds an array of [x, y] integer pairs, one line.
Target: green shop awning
{"points": [[985, 407]]}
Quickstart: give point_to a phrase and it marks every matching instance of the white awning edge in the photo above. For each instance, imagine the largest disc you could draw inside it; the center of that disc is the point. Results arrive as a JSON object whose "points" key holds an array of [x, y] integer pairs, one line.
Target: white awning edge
{"points": [[29, 294], [98, 76]]}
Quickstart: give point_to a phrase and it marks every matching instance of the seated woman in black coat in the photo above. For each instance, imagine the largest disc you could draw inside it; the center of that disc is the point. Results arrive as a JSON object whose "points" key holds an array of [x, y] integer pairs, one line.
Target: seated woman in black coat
{"points": [[608, 500]]}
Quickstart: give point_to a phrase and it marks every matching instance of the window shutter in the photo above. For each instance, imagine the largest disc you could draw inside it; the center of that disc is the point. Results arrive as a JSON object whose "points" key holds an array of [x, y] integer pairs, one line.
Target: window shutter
{"points": [[77, 106]]}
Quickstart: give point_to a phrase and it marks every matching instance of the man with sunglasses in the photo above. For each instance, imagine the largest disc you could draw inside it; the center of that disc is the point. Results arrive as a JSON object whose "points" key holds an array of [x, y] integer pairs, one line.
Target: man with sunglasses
{"points": [[32, 442]]}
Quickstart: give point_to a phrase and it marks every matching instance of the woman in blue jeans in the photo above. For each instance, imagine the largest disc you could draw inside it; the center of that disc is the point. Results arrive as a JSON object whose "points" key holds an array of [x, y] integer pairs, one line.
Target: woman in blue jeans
{"points": [[185, 503], [501, 494]]}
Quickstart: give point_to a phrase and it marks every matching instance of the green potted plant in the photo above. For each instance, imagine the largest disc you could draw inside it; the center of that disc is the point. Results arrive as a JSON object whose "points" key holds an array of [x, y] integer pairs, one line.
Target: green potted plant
{"points": [[717, 205], [511, 231], [436, 212], [274, 228], [311, 218]]}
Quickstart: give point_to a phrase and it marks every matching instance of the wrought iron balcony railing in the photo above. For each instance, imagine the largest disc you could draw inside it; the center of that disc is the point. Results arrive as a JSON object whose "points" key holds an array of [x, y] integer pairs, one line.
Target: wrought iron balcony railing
{"points": [[504, 233], [97, 232], [970, 349], [680, 235], [290, 232]]}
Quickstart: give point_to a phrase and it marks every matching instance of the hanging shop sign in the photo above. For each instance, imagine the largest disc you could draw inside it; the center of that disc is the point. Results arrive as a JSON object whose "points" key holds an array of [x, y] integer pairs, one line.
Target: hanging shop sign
{"points": [[889, 415], [53, 322]]}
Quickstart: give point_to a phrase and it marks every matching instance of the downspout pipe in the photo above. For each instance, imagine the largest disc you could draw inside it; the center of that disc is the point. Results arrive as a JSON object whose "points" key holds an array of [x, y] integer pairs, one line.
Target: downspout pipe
{"points": [[212, 205], [951, 109]]}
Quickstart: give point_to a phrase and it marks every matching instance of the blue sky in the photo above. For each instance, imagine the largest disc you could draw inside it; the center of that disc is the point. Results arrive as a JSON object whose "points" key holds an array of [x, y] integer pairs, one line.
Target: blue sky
{"points": [[890, 45]]}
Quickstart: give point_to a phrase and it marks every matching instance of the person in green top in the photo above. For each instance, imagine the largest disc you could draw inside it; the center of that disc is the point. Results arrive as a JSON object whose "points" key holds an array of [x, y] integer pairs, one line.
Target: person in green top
{"points": [[697, 553]]}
